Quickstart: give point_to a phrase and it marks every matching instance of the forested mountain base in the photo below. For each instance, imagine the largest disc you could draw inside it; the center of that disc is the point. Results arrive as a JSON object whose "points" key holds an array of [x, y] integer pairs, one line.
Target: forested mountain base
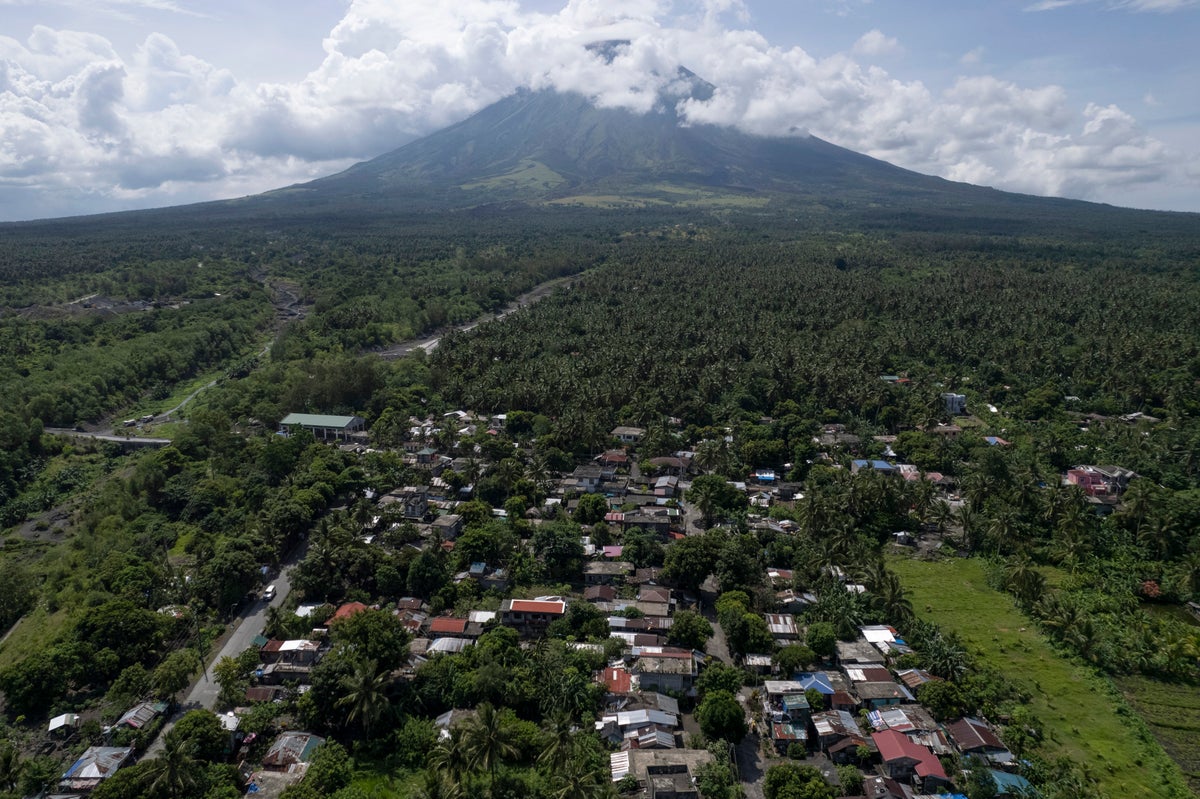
{"points": [[751, 338]]}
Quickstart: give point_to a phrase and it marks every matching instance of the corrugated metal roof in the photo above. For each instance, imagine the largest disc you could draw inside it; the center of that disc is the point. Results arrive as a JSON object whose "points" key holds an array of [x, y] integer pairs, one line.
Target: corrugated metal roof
{"points": [[318, 420]]}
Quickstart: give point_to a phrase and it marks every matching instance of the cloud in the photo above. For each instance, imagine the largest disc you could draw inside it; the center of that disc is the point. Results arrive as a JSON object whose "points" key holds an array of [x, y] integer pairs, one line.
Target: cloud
{"points": [[160, 125], [1158, 6], [874, 43], [972, 57]]}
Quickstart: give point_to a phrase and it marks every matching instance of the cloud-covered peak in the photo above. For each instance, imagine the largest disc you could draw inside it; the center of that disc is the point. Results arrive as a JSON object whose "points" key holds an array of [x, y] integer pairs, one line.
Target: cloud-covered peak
{"points": [[160, 125]]}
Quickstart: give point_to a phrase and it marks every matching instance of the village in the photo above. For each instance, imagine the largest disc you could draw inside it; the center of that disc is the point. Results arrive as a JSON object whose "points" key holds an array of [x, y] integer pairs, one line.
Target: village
{"points": [[848, 706]]}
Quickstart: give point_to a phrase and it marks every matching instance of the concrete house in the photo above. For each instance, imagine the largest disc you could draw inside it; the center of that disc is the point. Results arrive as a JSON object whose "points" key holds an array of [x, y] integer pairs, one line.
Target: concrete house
{"points": [[531, 616]]}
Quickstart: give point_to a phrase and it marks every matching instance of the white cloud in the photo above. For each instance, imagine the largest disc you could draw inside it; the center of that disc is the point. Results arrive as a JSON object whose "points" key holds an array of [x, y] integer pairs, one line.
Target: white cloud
{"points": [[1159, 6], [160, 126], [972, 57], [874, 43]]}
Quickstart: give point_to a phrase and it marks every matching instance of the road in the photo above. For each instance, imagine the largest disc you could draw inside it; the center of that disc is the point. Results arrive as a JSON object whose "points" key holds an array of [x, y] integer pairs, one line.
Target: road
{"points": [[747, 754], [429, 343], [248, 625], [138, 441]]}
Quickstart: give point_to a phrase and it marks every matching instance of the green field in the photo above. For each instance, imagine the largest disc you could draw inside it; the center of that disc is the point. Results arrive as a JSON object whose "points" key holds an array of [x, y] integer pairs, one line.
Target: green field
{"points": [[1173, 713], [1084, 717]]}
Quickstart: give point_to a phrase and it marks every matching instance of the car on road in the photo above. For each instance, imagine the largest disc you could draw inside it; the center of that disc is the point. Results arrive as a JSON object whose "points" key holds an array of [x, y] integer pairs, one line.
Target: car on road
{"points": [[269, 593]]}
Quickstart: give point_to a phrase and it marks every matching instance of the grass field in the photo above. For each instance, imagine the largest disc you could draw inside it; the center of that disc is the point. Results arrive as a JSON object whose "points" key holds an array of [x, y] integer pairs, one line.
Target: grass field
{"points": [[1084, 717], [34, 633], [1173, 713]]}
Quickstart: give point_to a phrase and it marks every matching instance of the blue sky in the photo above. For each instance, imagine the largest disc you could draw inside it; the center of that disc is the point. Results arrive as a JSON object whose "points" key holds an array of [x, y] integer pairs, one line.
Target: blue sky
{"points": [[114, 104]]}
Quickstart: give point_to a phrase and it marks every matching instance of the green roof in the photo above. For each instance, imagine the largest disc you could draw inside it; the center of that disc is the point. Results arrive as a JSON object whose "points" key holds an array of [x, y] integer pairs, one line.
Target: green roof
{"points": [[318, 420]]}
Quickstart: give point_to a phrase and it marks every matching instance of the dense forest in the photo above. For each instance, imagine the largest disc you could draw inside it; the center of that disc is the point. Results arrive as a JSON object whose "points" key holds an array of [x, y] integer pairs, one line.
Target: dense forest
{"points": [[741, 336]]}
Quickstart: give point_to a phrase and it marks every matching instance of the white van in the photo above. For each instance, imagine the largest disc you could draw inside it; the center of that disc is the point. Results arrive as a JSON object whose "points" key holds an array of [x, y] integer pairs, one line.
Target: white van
{"points": [[269, 594]]}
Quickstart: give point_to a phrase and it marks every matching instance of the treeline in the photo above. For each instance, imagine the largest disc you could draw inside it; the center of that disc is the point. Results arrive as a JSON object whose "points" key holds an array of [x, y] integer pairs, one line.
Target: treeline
{"points": [[708, 330]]}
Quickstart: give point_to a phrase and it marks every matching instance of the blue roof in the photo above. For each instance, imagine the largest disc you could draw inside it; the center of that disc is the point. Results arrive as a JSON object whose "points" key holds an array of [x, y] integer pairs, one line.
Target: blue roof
{"points": [[1012, 783], [816, 680]]}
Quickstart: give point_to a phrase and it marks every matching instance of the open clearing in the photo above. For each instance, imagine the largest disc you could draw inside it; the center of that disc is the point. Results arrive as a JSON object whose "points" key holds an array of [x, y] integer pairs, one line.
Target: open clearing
{"points": [[1173, 713], [1084, 717]]}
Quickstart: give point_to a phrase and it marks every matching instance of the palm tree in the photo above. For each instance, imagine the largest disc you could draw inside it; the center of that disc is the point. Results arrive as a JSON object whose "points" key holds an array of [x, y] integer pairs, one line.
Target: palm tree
{"points": [[11, 767], [1024, 581], [449, 758], [174, 773], [487, 741], [437, 785], [366, 694], [579, 782], [561, 747]]}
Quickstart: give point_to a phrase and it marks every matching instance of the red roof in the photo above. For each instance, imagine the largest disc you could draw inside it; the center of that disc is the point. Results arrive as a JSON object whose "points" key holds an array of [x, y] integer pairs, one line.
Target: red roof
{"points": [[617, 680], [538, 606], [447, 625], [347, 610], [897, 746]]}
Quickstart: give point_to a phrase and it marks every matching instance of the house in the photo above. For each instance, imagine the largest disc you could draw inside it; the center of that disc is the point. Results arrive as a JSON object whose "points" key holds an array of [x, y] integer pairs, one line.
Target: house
{"points": [[652, 520], [955, 404], [298, 651], [874, 695], [657, 594], [66, 721], [614, 459], [644, 728], [585, 479], [904, 760], [858, 653], [95, 765], [666, 486], [412, 501], [882, 467], [598, 572], [448, 527], [531, 616], [291, 749], [616, 679], [973, 736], [661, 668], [782, 626], [662, 773], [599, 593], [1100, 481], [347, 610], [447, 626], [322, 426], [628, 435], [142, 714], [833, 728], [673, 466], [1011, 786]]}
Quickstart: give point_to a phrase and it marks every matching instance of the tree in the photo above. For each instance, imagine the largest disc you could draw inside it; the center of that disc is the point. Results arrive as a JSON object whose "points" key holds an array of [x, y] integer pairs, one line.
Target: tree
{"points": [[720, 715], [427, 574], [792, 658], [174, 673], [821, 638], [850, 779], [591, 509], [557, 545], [375, 635], [719, 677], [690, 560], [204, 731], [233, 675], [175, 772], [689, 630], [365, 697], [793, 781], [487, 741], [715, 498]]}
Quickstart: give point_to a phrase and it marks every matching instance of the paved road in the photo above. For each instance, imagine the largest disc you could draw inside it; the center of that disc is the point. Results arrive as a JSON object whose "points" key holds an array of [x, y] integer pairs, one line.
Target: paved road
{"points": [[429, 344], [248, 625], [138, 441]]}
